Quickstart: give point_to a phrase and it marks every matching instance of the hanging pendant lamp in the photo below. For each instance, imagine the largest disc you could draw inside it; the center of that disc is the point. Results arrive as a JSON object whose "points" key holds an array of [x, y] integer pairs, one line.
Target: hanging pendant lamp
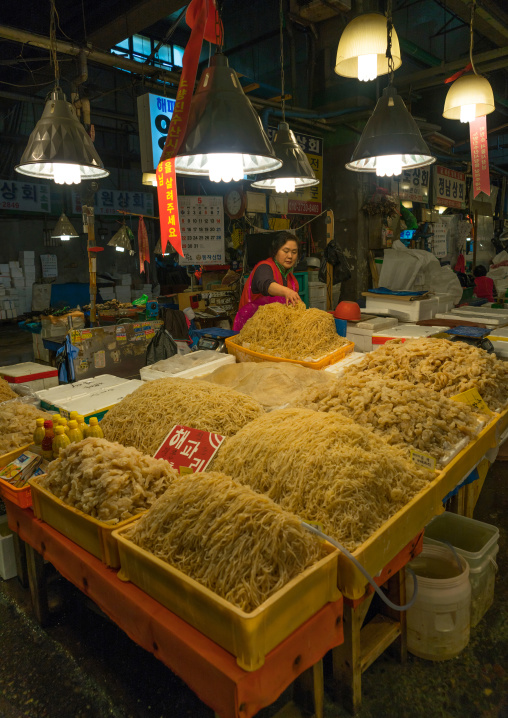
{"points": [[225, 139], [471, 95], [64, 229], [391, 141], [295, 172], [59, 148], [149, 178], [121, 240], [158, 249], [362, 48]]}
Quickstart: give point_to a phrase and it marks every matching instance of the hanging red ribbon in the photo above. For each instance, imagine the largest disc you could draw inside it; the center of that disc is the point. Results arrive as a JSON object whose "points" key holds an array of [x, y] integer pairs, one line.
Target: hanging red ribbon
{"points": [[458, 74], [479, 156], [166, 177], [144, 252]]}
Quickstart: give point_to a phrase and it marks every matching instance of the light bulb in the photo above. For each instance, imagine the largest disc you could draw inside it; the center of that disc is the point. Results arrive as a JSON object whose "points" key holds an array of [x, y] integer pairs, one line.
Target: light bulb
{"points": [[65, 237], [468, 113], [119, 249], [388, 165], [66, 174], [225, 167], [367, 67], [285, 184]]}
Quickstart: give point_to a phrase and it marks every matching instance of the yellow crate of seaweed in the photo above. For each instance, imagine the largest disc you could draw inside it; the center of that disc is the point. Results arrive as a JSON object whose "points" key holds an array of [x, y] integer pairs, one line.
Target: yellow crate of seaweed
{"points": [[248, 636], [243, 354], [91, 534], [385, 543]]}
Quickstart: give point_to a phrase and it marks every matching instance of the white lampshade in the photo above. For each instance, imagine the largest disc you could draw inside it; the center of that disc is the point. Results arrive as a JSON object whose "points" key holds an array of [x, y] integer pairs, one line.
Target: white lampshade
{"points": [[469, 97], [362, 48], [150, 178]]}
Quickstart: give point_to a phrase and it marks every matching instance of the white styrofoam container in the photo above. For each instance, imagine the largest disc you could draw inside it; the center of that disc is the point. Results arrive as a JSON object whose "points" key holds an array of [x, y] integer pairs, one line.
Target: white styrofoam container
{"points": [[489, 321], [500, 348], [99, 403], [446, 302], [404, 331], [338, 368], [317, 304], [7, 556], [484, 310], [414, 311], [36, 376], [361, 337], [378, 323], [94, 386], [199, 363]]}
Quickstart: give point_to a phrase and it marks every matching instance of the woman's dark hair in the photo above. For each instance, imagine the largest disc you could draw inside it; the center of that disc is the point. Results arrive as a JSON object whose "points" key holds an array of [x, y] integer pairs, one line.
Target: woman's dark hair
{"points": [[480, 271], [280, 240]]}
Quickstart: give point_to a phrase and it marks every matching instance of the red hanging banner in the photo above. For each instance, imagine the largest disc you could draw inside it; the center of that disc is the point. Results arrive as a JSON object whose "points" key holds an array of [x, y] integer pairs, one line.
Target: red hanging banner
{"points": [[166, 176], [168, 206], [479, 156], [144, 252]]}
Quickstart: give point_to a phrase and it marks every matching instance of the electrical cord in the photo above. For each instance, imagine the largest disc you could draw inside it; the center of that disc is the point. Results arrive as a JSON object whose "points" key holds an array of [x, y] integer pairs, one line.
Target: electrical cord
{"points": [[367, 575]]}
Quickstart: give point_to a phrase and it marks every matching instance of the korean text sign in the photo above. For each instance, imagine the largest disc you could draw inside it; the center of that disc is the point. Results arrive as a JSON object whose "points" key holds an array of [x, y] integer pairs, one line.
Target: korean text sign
{"points": [[449, 187], [185, 448]]}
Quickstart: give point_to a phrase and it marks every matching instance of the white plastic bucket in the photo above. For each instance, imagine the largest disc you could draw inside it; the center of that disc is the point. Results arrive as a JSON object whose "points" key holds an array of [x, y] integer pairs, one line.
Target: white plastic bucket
{"points": [[438, 623], [477, 542]]}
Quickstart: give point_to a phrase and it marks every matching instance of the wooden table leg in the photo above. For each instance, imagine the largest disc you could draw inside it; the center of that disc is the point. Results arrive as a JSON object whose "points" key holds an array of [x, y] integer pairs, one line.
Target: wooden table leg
{"points": [[20, 555], [347, 658], [396, 592], [37, 583]]}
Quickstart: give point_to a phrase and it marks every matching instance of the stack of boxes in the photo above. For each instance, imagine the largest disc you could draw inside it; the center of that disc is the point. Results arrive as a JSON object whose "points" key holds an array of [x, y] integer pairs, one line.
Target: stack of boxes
{"points": [[123, 290], [144, 289], [16, 279], [107, 293]]}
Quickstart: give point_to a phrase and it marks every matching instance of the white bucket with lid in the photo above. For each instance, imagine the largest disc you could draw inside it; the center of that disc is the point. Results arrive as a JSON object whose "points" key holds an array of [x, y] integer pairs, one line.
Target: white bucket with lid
{"points": [[438, 624]]}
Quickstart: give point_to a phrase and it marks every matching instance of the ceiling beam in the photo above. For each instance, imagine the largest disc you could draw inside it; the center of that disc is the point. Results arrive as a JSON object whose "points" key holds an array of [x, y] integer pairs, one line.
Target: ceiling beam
{"points": [[135, 20], [485, 22]]}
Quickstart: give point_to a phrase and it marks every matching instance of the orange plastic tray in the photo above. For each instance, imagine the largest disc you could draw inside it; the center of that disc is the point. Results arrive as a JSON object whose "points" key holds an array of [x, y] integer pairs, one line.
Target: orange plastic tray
{"points": [[243, 355], [21, 497]]}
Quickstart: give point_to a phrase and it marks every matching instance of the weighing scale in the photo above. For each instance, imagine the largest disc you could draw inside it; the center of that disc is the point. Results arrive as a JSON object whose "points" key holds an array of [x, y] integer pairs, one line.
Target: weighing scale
{"points": [[217, 344]]}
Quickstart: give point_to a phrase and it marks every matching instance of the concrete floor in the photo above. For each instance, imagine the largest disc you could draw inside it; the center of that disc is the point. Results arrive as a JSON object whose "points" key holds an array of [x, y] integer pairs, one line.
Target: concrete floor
{"points": [[82, 665]]}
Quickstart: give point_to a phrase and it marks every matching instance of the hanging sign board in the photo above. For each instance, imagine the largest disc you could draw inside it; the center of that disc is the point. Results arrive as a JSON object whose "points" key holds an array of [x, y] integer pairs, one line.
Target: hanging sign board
{"points": [[449, 187], [439, 240], [25, 196], [308, 200], [202, 227], [108, 201], [49, 266], [479, 156], [189, 450], [412, 185], [154, 117]]}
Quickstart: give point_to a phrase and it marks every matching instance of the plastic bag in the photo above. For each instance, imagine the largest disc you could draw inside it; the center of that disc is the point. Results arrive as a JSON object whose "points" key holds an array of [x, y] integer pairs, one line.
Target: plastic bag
{"points": [[334, 255], [443, 280], [161, 347], [141, 302]]}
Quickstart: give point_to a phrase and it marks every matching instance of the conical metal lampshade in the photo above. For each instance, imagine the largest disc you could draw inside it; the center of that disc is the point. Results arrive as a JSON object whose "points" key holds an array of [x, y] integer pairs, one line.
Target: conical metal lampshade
{"points": [[469, 97], [149, 178], [158, 249], [59, 147], [391, 140], [64, 229], [295, 165], [121, 240], [224, 138]]}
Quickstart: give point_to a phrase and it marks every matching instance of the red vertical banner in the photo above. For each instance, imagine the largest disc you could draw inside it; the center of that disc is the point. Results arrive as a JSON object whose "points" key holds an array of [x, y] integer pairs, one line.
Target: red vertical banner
{"points": [[479, 156], [144, 252], [168, 206], [166, 175]]}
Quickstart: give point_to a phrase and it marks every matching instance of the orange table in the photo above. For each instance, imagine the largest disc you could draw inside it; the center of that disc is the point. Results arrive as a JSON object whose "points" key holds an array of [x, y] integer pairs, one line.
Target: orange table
{"points": [[210, 671]]}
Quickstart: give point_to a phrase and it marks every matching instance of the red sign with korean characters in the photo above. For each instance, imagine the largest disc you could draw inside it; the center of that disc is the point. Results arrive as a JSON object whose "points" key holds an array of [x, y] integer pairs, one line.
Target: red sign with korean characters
{"points": [[189, 450], [168, 206], [479, 156]]}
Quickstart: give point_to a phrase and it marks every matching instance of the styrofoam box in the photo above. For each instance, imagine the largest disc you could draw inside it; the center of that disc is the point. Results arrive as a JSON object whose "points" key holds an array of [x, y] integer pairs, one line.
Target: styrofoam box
{"points": [[406, 311], [91, 387], [339, 368], [471, 317], [500, 348], [318, 304], [404, 331], [485, 310], [99, 403], [188, 366], [7, 556], [36, 376]]}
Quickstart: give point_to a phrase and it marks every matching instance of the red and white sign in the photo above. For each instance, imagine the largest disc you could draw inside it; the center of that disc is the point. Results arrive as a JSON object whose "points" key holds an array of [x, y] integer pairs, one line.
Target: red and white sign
{"points": [[479, 156], [449, 187], [187, 449], [168, 206]]}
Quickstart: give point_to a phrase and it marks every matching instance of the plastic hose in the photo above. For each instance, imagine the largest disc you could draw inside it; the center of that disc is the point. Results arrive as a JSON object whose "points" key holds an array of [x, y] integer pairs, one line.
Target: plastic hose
{"points": [[367, 575]]}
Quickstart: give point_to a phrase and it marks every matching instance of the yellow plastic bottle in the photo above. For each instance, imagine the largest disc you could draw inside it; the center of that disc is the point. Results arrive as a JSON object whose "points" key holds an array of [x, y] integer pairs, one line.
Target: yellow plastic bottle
{"points": [[39, 432], [81, 424], [74, 433], [63, 422], [73, 416], [93, 428], [56, 420], [60, 441]]}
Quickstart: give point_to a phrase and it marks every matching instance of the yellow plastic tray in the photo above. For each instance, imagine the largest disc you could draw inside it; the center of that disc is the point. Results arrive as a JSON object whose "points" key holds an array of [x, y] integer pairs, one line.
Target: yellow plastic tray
{"points": [[7, 458], [400, 529], [243, 355], [91, 534], [248, 636]]}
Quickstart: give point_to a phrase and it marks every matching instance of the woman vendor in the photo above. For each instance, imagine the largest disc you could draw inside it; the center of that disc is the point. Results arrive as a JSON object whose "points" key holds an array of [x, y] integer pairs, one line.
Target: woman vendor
{"points": [[271, 280]]}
